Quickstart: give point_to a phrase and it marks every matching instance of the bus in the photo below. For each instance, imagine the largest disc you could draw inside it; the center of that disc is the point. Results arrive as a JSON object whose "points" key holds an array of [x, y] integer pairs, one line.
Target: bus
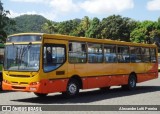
{"points": [[1, 63], [49, 63]]}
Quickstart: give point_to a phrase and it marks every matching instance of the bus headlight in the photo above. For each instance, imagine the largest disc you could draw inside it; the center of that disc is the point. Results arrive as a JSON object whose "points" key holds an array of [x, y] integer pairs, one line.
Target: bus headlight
{"points": [[6, 81], [34, 83]]}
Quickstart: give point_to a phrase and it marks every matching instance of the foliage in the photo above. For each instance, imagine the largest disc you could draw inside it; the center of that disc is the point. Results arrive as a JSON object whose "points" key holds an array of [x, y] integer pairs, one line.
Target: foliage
{"points": [[82, 27], [68, 27], [94, 29], [74, 23], [138, 35], [117, 28], [49, 27], [4, 22], [145, 32], [29, 23], [114, 27]]}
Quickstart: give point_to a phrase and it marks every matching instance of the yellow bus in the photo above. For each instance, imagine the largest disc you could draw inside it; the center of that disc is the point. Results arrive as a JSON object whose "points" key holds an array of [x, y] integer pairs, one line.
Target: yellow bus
{"points": [[48, 63]]}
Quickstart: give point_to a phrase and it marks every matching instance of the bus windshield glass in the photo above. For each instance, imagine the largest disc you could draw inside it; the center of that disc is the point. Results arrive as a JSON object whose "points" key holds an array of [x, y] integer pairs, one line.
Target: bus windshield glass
{"points": [[24, 38], [22, 57]]}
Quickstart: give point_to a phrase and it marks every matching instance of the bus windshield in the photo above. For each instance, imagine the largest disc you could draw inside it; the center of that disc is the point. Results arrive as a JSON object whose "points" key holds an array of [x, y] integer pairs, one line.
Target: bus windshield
{"points": [[22, 57]]}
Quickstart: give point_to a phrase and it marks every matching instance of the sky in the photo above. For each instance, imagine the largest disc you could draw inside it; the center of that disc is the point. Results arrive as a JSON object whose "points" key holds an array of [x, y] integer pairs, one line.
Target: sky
{"points": [[62, 10]]}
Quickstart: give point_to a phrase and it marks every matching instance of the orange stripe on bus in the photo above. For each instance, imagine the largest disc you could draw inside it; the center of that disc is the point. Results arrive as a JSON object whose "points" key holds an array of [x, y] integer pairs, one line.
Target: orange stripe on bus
{"points": [[60, 85]]}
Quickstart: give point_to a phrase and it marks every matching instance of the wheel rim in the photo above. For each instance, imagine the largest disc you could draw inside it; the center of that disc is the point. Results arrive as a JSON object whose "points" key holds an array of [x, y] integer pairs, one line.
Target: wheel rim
{"points": [[72, 89], [132, 82]]}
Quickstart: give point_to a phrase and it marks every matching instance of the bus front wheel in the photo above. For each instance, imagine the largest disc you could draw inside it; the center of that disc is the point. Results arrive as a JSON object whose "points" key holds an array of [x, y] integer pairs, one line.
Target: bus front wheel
{"points": [[72, 88], [40, 94]]}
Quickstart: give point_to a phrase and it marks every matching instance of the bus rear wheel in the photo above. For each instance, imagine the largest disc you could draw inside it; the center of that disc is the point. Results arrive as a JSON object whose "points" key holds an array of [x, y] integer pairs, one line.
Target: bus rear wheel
{"points": [[41, 94], [72, 88], [131, 83]]}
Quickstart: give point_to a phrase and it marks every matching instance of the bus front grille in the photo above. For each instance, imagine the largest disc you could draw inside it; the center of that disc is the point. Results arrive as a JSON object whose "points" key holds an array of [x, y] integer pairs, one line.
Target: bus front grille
{"points": [[18, 87], [15, 83], [20, 76], [23, 82]]}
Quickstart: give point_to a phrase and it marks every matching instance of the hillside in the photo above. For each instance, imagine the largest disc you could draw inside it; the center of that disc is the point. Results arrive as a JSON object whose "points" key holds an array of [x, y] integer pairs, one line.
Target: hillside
{"points": [[28, 23]]}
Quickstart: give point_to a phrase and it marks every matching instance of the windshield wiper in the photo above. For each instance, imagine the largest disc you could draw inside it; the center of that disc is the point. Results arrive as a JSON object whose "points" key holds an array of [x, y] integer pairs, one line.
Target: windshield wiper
{"points": [[21, 53]]}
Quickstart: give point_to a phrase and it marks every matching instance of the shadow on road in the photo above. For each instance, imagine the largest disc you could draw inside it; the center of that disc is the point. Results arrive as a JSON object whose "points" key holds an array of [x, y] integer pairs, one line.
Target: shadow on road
{"points": [[90, 96], [3, 91]]}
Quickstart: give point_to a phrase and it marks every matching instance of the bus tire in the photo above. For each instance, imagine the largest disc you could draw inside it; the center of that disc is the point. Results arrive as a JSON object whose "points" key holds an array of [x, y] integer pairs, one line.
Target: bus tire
{"points": [[41, 94], [132, 80], [72, 88]]}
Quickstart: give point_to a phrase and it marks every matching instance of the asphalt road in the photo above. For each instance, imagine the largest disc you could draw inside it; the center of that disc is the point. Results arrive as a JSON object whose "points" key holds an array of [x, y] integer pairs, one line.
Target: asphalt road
{"points": [[146, 93]]}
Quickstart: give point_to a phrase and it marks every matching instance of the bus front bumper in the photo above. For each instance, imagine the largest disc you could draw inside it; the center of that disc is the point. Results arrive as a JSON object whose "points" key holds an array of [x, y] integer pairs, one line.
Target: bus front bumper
{"points": [[27, 88], [44, 86]]}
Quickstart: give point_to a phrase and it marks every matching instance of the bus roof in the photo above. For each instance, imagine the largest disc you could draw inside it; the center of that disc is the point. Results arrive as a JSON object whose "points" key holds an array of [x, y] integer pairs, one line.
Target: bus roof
{"points": [[20, 34], [84, 39], [94, 40]]}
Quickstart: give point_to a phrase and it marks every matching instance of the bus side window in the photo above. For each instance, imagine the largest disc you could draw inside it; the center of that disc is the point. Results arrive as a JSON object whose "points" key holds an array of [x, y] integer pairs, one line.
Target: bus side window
{"points": [[95, 53], [110, 53], [153, 55], [48, 55], [123, 54], [77, 52], [145, 54], [1, 55], [70, 47], [135, 54], [54, 56]]}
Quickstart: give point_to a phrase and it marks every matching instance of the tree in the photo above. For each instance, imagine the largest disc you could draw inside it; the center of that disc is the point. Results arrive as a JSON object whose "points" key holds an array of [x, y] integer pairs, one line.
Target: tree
{"points": [[158, 23], [138, 35], [64, 27], [94, 29], [117, 28], [69, 27], [85, 23], [144, 32], [4, 21], [49, 27], [83, 26], [155, 34], [75, 23]]}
